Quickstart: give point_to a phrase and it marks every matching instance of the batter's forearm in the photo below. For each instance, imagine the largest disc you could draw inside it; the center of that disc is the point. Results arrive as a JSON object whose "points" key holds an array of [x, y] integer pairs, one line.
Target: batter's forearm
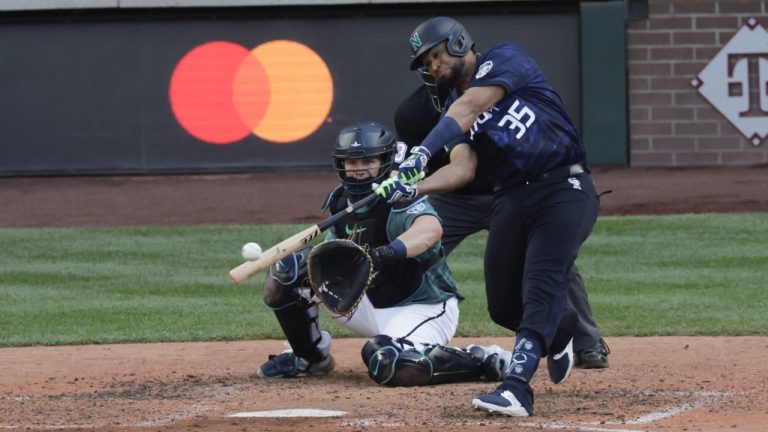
{"points": [[456, 174], [446, 179]]}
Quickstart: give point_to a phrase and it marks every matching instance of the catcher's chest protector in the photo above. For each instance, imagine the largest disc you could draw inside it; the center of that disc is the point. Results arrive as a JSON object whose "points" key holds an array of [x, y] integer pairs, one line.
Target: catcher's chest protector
{"points": [[369, 228], [398, 282]]}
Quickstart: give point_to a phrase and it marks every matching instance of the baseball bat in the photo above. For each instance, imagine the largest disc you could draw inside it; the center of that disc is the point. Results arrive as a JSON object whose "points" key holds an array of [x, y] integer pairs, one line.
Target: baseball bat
{"points": [[270, 256]]}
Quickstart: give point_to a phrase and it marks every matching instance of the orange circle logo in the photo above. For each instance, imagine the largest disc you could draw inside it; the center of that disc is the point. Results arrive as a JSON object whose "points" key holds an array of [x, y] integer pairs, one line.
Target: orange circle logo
{"points": [[281, 91]]}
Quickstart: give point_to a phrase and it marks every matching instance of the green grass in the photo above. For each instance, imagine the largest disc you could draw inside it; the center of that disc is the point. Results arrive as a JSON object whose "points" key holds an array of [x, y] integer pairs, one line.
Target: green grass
{"points": [[686, 274], [651, 275]]}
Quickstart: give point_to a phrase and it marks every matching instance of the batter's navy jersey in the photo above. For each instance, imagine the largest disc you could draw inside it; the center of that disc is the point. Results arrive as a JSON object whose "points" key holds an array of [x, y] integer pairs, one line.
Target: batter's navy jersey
{"points": [[414, 119], [529, 125]]}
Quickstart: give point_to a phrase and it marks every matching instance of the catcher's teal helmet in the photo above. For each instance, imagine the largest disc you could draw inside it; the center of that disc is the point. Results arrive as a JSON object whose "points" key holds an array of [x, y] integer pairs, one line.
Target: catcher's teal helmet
{"points": [[435, 30], [361, 140]]}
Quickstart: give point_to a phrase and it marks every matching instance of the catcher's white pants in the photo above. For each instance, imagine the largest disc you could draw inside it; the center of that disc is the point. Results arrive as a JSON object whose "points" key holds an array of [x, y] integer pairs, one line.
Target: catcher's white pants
{"points": [[419, 323]]}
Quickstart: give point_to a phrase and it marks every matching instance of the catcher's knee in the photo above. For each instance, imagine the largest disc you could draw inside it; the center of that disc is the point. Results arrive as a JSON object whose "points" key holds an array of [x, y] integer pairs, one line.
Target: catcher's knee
{"points": [[390, 365], [286, 283]]}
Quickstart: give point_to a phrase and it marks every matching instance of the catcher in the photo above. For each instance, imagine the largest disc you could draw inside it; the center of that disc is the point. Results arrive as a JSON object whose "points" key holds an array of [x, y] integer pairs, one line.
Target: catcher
{"points": [[380, 273]]}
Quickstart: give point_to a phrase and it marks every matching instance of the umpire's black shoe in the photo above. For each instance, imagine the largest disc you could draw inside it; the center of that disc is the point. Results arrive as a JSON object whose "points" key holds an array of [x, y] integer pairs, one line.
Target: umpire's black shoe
{"points": [[594, 357]]}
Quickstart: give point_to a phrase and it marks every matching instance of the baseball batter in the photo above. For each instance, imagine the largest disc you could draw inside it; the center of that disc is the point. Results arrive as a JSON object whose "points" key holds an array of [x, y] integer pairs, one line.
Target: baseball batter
{"points": [[544, 203], [411, 310], [463, 200]]}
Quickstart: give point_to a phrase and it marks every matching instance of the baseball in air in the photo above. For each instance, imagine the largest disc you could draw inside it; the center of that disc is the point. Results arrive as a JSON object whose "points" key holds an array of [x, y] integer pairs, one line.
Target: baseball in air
{"points": [[251, 251]]}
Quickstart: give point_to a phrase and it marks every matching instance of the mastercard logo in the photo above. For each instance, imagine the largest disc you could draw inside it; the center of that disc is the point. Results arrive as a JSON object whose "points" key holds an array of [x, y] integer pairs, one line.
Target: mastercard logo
{"points": [[281, 91]]}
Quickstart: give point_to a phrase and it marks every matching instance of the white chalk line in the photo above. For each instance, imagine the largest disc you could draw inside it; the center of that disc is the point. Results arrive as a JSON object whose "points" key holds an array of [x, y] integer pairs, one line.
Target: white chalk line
{"points": [[486, 423], [703, 398], [567, 426], [706, 398], [298, 412]]}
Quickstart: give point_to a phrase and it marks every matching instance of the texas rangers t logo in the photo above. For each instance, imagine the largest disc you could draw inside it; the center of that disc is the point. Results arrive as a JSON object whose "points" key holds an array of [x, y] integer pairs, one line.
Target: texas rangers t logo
{"points": [[734, 81]]}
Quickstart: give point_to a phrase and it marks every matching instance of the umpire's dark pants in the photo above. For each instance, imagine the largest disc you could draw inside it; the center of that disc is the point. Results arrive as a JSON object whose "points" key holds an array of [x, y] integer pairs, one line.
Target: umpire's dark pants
{"points": [[535, 234]]}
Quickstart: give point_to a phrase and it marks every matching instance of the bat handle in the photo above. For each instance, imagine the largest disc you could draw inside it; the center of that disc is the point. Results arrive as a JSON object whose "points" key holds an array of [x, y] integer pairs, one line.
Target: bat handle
{"points": [[327, 223]]}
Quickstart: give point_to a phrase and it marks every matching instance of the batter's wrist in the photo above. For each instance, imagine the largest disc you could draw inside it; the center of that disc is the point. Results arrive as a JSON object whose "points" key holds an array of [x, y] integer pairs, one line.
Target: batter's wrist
{"points": [[446, 132]]}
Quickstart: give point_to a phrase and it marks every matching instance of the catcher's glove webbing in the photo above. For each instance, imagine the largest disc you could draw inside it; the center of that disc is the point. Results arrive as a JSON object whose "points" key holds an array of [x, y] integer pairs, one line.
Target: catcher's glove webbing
{"points": [[340, 271]]}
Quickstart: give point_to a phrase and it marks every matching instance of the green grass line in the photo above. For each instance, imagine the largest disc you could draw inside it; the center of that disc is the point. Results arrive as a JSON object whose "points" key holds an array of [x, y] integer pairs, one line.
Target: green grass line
{"points": [[646, 275]]}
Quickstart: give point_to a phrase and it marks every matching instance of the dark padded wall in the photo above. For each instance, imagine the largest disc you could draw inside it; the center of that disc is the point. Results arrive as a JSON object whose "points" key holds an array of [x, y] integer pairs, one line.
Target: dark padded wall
{"points": [[88, 92], [604, 83]]}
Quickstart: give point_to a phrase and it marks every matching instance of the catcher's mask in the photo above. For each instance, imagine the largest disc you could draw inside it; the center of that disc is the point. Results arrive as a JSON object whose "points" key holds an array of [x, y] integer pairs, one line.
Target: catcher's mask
{"points": [[436, 30], [362, 140]]}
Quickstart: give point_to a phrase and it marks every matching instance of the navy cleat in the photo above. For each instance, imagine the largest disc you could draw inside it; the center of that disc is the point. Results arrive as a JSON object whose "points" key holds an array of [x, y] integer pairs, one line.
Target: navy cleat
{"points": [[560, 365], [288, 365], [511, 398]]}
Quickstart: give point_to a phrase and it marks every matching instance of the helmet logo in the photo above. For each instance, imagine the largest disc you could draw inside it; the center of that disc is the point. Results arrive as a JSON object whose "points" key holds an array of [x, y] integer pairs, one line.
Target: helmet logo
{"points": [[355, 144], [415, 41], [484, 69]]}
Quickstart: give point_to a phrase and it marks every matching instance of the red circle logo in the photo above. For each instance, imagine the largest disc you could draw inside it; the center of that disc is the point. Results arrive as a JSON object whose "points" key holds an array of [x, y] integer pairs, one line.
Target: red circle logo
{"points": [[281, 91]]}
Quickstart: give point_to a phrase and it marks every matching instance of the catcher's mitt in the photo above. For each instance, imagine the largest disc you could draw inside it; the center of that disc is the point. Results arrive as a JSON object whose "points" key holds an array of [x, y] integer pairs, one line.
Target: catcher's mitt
{"points": [[340, 271]]}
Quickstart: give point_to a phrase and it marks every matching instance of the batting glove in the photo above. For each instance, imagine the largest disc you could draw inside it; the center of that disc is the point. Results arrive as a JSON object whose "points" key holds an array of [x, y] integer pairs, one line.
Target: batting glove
{"points": [[412, 169], [393, 190]]}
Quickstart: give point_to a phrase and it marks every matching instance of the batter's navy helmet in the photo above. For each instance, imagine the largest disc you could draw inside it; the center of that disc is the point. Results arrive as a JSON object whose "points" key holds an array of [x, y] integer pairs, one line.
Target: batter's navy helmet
{"points": [[361, 140], [435, 30]]}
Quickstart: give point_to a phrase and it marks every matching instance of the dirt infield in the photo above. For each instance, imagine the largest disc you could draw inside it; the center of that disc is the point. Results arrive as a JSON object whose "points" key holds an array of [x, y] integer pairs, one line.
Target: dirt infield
{"points": [[654, 384]]}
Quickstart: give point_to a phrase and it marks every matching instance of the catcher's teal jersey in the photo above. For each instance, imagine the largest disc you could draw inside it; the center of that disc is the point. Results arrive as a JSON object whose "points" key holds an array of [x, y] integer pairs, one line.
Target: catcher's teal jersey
{"points": [[424, 279]]}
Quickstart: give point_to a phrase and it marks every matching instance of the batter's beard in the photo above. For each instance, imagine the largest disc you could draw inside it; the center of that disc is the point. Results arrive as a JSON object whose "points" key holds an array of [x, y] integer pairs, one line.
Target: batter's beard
{"points": [[454, 78]]}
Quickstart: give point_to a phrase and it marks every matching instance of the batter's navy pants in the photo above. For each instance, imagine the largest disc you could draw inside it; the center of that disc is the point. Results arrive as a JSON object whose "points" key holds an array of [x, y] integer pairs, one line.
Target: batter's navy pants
{"points": [[535, 235]]}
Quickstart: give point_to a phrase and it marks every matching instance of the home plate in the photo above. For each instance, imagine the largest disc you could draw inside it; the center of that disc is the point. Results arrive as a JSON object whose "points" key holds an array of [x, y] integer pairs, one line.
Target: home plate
{"points": [[299, 412]]}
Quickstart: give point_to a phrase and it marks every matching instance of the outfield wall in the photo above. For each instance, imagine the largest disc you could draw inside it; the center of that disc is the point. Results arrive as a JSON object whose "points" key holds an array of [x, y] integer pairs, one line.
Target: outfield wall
{"points": [[86, 83], [92, 90]]}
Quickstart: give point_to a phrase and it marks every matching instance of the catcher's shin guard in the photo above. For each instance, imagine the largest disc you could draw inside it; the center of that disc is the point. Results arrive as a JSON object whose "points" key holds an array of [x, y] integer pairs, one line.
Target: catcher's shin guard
{"points": [[286, 293], [452, 365], [390, 365], [302, 330]]}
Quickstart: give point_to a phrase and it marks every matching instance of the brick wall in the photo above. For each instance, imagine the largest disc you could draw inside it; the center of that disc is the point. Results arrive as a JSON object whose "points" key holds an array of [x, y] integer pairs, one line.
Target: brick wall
{"points": [[671, 124]]}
